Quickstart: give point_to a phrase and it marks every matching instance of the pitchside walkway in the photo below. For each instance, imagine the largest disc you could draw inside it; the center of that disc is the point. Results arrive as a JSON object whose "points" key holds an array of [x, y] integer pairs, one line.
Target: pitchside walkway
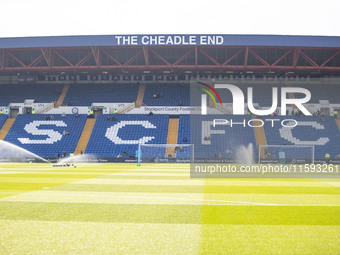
{"points": [[6, 128], [172, 137], [85, 136]]}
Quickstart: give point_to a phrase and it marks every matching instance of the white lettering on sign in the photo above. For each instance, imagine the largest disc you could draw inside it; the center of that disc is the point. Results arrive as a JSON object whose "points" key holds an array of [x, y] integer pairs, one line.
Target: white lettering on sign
{"points": [[169, 40]]}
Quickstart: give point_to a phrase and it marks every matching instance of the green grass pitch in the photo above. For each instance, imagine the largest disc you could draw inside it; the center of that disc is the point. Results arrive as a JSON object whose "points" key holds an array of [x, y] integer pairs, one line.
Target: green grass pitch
{"points": [[158, 209]]}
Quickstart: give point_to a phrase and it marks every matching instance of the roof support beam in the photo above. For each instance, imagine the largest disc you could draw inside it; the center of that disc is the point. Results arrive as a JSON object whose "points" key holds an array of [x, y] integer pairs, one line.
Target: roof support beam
{"points": [[333, 56], [134, 57], [36, 61], [246, 52], [257, 57], [166, 67], [2, 59], [146, 55], [282, 57], [208, 56], [111, 57], [199, 57], [196, 57], [184, 56], [232, 57], [296, 55], [84, 59], [160, 57], [96, 55], [62, 57], [16, 59], [47, 53], [308, 59]]}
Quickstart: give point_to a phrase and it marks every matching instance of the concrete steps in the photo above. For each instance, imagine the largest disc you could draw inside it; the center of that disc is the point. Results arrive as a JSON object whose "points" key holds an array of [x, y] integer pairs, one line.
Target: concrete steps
{"points": [[338, 123], [62, 96], [260, 137], [85, 136], [6, 128], [140, 96], [172, 137]]}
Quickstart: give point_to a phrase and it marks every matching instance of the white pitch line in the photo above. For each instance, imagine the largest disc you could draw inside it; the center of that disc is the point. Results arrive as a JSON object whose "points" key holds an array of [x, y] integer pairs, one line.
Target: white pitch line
{"points": [[145, 197], [64, 202], [222, 202]]}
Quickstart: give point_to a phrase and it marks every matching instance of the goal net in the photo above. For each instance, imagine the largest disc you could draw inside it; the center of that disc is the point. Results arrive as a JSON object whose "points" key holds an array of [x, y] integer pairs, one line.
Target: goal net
{"points": [[164, 153], [286, 154]]}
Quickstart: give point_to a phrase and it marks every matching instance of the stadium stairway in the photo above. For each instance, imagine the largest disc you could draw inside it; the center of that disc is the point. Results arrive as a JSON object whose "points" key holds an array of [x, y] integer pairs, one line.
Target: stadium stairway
{"points": [[291, 96], [62, 96], [172, 136], [338, 123], [85, 136], [260, 137], [211, 103], [6, 128], [140, 96]]}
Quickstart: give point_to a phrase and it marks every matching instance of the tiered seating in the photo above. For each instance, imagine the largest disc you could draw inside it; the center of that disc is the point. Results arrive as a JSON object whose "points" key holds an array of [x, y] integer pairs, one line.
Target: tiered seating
{"points": [[86, 94], [112, 138], [169, 94], [184, 134], [262, 93], [3, 118], [324, 135], [46, 138], [329, 92], [222, 138], [17, 93]]}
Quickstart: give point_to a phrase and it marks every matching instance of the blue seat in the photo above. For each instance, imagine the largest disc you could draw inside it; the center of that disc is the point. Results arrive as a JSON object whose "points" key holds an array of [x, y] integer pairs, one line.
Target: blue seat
{"points": [[111, 138], [3, 119], [46, 138], [232, 138], [168, 94], [86, 94], [324, 135], [41, 93]]}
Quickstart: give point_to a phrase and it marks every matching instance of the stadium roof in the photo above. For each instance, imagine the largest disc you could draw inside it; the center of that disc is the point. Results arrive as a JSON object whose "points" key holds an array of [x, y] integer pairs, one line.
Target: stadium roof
{"points": [[215, 53], [143, 40]]}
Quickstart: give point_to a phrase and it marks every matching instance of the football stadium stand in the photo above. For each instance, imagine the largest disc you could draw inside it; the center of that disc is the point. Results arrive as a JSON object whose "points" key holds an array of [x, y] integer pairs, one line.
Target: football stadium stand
{"points": [[47, 138], [323, 133], [167, 94], [226, 140], [320, 91], [101, 72], [18, 93], [121, 137], [6, 127], [86, 94], [183, 136], [3, 119]]}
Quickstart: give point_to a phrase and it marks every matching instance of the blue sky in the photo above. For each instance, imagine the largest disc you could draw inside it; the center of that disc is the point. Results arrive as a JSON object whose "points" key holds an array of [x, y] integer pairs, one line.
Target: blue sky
{"points": [[82, 17]]}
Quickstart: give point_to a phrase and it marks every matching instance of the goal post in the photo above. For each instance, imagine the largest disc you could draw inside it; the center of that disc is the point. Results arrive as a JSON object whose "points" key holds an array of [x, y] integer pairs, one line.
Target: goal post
{"points": [[165, 153], [286, 154]]}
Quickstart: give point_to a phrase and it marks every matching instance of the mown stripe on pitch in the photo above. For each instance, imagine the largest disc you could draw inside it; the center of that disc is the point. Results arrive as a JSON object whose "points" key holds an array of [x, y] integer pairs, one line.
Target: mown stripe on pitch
{"points": [[139, 177], [197, 189], [173, 214], [20, 186]]}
